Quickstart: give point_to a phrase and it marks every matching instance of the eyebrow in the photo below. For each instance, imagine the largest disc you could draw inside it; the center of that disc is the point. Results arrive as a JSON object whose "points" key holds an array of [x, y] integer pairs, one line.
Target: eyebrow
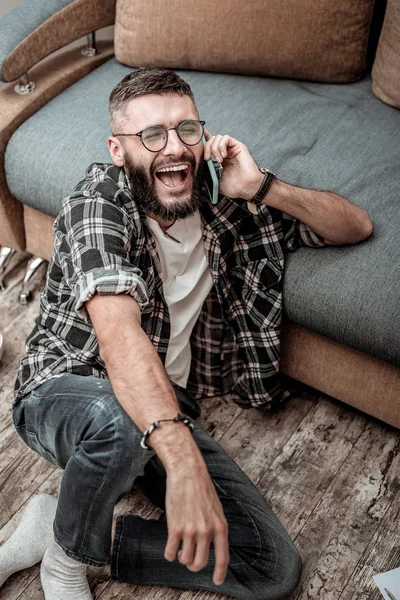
{"points": [[164, 125]]}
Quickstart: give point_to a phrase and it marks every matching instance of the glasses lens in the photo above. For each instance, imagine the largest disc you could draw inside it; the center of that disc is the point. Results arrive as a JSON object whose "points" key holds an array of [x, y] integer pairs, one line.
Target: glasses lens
{"points": [[154, 138], [190, 132]]}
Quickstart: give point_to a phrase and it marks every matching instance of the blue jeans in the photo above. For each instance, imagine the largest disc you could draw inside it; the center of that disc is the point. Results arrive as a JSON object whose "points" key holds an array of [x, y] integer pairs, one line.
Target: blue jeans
{"points": [[77, 424]]}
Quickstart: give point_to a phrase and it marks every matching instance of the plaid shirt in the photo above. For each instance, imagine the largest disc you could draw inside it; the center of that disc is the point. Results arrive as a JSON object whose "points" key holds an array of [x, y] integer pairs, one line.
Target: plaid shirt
{"points": [[103, 245]]}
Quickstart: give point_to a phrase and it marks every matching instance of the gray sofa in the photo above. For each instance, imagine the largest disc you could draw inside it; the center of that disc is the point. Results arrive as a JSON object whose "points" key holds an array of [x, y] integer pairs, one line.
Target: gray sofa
{"points": [[341, 332]]}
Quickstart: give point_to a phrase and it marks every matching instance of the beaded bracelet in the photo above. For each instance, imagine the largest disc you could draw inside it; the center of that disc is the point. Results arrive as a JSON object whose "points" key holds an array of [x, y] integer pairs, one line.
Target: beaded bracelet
{"points": [[149, 430]]}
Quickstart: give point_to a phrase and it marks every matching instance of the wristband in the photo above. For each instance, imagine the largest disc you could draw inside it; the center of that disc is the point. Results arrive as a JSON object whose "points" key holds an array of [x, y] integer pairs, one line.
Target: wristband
{"points": [[269, 178], [178, 419]]}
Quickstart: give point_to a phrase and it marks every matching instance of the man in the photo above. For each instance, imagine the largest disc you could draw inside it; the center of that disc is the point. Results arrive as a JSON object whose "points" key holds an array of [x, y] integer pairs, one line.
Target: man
{"points": [[155, 298]]}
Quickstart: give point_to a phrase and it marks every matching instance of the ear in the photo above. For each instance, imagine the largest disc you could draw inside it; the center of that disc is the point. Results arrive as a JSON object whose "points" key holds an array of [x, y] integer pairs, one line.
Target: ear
{"points": [[116, 151]]}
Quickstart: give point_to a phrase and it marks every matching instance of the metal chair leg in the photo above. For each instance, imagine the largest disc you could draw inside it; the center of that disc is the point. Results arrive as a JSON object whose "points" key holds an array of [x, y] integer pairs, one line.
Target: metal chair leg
{"points": [[6, 255], [25, 295]]}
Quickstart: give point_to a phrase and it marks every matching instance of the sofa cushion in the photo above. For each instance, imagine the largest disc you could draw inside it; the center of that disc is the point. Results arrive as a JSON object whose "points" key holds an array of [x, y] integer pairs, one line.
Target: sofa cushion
{"points": [[386, 68], [333, 137], [301, 39]]}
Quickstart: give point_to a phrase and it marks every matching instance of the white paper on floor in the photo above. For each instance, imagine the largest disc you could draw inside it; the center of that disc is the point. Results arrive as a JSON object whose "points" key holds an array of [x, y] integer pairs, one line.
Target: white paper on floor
{"points": [[389, 584]]}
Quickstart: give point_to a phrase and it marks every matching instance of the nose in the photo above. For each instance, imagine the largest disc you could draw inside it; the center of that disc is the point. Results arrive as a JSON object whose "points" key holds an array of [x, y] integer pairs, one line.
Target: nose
{"points": [[174, 145]]}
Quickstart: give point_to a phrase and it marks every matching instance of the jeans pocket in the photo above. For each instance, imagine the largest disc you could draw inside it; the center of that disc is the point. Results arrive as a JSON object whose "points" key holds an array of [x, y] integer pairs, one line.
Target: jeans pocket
{"points": [[33, 442]]}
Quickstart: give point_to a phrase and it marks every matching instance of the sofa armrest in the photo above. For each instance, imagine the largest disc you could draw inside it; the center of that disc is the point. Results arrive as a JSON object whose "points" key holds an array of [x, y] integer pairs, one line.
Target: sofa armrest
{"points": [[36, 28], [54, 74]]}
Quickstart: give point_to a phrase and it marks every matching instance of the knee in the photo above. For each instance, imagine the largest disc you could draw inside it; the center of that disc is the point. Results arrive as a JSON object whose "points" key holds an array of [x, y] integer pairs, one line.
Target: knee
{"points": [[112, 431], [289, 568], [268, 563], [279, 578]]}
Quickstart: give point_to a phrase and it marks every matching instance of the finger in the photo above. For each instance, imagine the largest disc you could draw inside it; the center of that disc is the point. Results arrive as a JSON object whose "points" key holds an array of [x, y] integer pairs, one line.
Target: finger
{"points": [[202, 552], [172, 546], [186, 555], [215, 148], [223, 144], [207, 148], [207, 134], [221, 549]]}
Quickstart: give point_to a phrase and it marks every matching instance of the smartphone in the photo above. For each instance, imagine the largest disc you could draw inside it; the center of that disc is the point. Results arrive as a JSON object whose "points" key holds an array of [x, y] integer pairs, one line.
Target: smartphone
{"points": [[213, 175]]}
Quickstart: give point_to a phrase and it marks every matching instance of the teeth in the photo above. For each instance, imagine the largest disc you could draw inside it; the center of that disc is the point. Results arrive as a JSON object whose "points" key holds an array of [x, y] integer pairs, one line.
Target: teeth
{"points": [[179, 168]]}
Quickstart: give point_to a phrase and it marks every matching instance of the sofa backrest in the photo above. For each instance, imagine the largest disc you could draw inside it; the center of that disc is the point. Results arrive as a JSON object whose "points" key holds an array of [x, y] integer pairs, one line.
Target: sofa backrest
{"points": [[386, 68], [316, 40]]}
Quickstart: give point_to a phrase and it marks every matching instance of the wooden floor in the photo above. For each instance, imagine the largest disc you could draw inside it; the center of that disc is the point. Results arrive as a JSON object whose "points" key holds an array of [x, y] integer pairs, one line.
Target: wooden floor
{"points": [[330, 473]]}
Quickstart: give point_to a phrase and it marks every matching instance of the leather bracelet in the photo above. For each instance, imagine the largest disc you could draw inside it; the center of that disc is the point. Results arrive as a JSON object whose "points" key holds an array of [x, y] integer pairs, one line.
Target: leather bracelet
{"points": [[178, 419], [269, 178]]}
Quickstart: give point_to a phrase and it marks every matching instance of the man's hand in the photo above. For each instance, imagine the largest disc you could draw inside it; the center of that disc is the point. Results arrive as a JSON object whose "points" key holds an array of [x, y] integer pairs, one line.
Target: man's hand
{"points": [[333, 217], [241, 177], [196, 518]]}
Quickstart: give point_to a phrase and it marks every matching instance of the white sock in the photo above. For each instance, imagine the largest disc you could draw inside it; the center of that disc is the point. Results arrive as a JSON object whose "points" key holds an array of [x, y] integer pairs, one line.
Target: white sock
{"points": [[33, 535], [63, 577]]}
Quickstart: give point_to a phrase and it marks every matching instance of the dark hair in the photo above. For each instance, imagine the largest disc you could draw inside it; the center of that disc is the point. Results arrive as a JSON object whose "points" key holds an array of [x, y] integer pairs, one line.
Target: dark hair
{"points": [[145, 80]]}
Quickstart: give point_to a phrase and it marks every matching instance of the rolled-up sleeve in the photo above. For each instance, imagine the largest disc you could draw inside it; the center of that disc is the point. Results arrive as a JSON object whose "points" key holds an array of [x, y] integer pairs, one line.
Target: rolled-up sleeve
{"points": [[297, 234], [93, 241]]}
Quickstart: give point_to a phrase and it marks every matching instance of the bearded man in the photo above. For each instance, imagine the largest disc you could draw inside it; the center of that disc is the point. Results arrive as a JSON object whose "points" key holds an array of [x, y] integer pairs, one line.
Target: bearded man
{"points": [[155, 298]]}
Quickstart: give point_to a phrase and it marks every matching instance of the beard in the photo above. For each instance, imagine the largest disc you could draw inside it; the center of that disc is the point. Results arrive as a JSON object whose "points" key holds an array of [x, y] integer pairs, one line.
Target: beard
{"points": [[143, 188]]}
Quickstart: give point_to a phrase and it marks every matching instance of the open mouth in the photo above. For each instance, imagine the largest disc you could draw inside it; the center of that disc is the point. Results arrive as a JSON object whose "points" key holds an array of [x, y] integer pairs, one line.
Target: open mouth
{"points": [[174, 177]]}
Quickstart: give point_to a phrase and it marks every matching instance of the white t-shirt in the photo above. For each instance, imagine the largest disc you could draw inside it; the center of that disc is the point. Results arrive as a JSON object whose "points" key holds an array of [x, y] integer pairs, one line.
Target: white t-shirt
{"points": [[187, 281]]}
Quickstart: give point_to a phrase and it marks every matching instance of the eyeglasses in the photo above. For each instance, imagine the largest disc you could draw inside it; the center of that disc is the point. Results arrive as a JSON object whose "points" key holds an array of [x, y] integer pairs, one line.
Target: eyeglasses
{"points": [[155, 138]]}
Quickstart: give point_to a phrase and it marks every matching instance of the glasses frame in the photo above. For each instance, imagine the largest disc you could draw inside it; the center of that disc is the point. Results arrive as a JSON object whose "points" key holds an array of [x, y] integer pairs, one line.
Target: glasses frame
{"points": [[140, 133]]}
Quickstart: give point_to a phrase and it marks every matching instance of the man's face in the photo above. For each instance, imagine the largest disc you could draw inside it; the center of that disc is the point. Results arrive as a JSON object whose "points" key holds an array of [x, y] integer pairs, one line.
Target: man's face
{"points": [[170, 197]]}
